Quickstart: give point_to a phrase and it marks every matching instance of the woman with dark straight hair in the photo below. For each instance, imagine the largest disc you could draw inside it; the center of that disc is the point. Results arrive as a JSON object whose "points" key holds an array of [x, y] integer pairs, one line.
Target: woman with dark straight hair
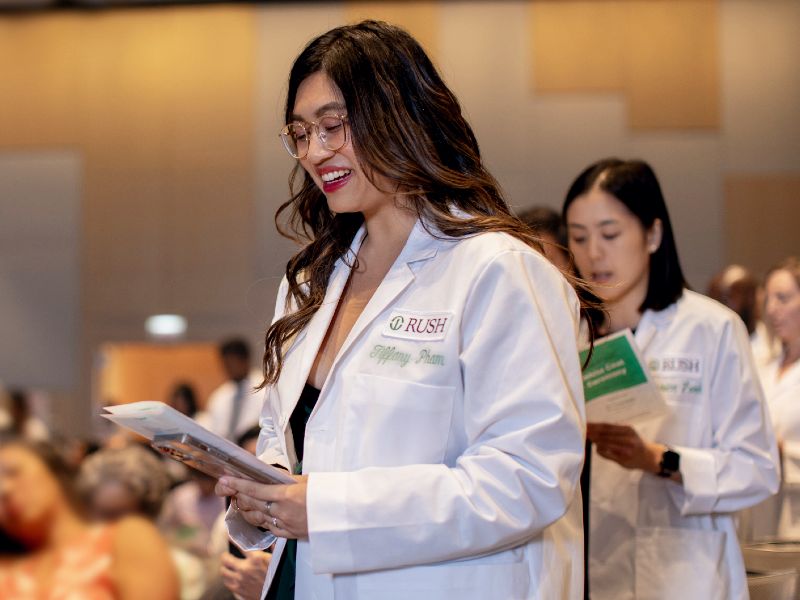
{"points": [[421, 373], [663, 491]]}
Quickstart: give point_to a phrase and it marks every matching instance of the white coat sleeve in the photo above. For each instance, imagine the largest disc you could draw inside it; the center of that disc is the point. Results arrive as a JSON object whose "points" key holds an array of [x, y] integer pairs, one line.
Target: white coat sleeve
{"points": [[524, 426], [268, 449], [741, 468]]}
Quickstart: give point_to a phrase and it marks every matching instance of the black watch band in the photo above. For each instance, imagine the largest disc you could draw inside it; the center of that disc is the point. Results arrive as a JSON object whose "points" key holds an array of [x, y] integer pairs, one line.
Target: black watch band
{"points": [[670, 463]]}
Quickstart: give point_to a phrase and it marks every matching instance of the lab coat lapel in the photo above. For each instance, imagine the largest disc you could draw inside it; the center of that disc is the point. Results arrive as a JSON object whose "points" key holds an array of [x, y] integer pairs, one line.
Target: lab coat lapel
{"points": [[419, 247], [315, 331]]}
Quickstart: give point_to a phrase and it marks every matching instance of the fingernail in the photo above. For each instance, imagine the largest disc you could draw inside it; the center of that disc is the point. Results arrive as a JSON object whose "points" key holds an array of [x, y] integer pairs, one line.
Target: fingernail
{"points": [[225, 481]]}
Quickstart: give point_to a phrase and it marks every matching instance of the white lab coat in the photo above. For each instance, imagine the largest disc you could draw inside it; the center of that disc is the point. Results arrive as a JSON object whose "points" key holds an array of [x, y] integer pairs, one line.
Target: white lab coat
{"points": [[780, 516], [653, 538], [443, 462], [217, 416]]}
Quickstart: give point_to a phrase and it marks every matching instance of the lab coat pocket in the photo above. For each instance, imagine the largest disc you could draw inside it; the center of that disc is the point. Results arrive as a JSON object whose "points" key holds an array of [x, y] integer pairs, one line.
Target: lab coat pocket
{"points": [[680, 563], [390, 422]]}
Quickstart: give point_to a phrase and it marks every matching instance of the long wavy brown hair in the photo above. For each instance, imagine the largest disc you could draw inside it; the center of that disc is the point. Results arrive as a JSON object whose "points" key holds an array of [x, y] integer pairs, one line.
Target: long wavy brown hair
{"points": [[406, 127]]}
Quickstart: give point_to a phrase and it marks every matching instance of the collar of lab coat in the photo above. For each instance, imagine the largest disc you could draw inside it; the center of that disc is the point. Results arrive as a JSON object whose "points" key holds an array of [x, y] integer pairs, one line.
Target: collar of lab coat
{"points": [[654, 320], [423, 244]]}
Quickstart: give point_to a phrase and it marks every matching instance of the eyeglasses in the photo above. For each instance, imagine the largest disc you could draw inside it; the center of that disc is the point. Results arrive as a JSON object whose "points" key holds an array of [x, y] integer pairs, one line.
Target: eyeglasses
{"points": [[331, 132]]}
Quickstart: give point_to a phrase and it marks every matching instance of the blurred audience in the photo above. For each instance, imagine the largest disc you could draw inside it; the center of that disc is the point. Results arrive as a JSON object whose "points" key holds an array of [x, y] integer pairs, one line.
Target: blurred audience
{"points": [[549, 225], [241, 574], [189, 514], [184, 399], [17, 417], [119, 482], [114, 482], [738, 289], [235, 406], [59, 554]]}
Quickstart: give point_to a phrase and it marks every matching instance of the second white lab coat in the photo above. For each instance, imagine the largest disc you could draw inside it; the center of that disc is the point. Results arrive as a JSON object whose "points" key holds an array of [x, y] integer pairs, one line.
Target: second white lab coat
{"points": [[445, 448], [654, 539], [780, 516], [217, 416]]}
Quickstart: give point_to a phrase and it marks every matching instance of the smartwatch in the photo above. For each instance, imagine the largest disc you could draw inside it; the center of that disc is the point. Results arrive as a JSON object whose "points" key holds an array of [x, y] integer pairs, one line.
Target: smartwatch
{"points": [[670, 463]]}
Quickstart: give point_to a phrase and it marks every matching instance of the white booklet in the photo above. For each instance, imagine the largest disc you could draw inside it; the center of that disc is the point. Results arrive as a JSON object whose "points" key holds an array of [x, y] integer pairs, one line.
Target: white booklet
{"points": [[174, 434], [617, 386]]}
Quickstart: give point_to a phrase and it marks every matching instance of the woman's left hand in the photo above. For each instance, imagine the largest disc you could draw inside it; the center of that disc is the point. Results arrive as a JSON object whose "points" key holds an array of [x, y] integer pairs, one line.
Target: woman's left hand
{"points": [[279, 508], [623, 445]]}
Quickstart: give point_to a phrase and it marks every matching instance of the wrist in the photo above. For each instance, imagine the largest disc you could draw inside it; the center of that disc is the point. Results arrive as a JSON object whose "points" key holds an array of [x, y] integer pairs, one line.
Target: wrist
{"points": [[655, 455]]}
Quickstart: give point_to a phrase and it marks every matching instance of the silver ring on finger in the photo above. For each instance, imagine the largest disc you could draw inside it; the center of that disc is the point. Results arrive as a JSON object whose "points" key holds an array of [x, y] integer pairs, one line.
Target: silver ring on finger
{"points": [[269, 508], [235, 503], [275, 522]]}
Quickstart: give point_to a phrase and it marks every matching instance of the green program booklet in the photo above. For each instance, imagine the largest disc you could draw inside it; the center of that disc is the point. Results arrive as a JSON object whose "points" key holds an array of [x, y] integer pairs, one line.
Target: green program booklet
{"points": [[616, 384]]}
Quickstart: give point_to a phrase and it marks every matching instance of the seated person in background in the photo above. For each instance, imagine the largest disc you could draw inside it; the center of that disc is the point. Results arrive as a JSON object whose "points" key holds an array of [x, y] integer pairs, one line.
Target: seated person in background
{"points": [[119, 482], [19, 419], [549, 226], [234, 406], [123, 481], [65, 556], [189, 514], [241, 574], [738, 289], [184, 399]]}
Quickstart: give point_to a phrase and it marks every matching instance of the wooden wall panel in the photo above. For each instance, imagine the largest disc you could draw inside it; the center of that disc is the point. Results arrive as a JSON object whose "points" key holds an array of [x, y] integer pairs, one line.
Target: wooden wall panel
{"points": [[135, 372], [420, 18], [578, 46], [762, 219], [663, 55], [159, 105], [673, 72]]}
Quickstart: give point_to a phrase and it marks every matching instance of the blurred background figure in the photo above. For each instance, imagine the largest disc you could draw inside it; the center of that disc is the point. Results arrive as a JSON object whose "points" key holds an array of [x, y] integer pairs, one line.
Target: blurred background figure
{"points": [[184, 399], [59, 554], [240, 575], [738, 289], [189, 513], [780, 516], [234, 407], [549, 225], [18, 417], [115, 483]]}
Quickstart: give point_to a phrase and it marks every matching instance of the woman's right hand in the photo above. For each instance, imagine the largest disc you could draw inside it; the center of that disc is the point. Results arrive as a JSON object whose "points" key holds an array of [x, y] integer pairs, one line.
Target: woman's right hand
{"points": [[280, 508]]}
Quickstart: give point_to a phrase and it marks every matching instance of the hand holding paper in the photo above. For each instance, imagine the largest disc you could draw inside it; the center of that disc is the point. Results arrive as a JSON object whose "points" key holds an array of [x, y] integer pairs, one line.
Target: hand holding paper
{"points": [[183, 439], [279, 508], [623, 445], [616, 383]]}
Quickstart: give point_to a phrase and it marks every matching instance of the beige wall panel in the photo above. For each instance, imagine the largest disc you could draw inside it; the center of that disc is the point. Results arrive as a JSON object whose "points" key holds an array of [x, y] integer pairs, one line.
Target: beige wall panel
{"points": [[762, 213], [663, 54], [39, 86], [761, 85], [672, 65], [578, 46], [421, 19], [159, 104], [136, 372]]}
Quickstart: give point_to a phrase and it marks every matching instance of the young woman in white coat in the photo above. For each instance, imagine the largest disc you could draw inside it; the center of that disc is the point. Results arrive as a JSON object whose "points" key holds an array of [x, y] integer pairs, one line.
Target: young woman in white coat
{"points": [[781, 380], [663, 492], [421, 371]]}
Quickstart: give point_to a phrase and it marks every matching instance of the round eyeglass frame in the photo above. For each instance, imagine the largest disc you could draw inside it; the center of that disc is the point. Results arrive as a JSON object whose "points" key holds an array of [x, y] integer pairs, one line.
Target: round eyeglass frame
{"points": [[315, 129]]}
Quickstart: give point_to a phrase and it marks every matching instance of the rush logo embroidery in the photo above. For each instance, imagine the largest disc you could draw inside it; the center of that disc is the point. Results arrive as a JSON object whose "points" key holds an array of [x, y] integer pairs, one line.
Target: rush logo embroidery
{"points": [[676, 366], [408, 325]]}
